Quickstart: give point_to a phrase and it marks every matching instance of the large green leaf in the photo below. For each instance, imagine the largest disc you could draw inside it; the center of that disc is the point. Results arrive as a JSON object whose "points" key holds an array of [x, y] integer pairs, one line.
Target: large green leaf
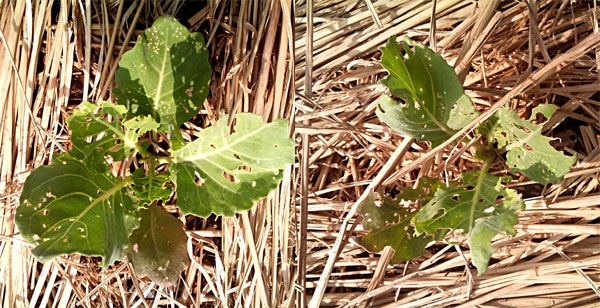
{"points": [[105, 130], [473, 209], [389, 225], [157, 248], [76, 206], [529, 151], [224, 174], [165, 75], [434, 103]]}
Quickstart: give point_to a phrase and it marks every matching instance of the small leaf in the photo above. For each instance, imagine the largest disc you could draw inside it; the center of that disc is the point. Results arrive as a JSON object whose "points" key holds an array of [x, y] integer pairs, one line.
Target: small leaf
{"points": [[157, 248], [435, 104], [165, 75], [472, 208], [485, 229], [108, 137], [67, 207], [389, 225], [151, 187], [529, 151], [223, 174]]}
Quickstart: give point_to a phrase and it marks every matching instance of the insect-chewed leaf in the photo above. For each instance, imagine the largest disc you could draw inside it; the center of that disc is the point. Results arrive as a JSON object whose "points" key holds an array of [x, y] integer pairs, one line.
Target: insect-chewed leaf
{"points": [[67, 207], [425, 190], [107, 137], [224, 174], [157, 248], [389, 225], [165, 75], [485, 229], [472, 209], [435, 104], [529, 151], [148, 188]]}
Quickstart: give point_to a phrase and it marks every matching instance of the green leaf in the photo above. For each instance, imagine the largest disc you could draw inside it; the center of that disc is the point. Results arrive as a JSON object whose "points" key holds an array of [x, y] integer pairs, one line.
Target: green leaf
{"points": [[485, 229], [434, 103], [70, 207], [389, 225], [529, 151], [224, 174], [425, 191], [157, 248], [106, 137], [151, 187], [472, 208], [165, 75]]}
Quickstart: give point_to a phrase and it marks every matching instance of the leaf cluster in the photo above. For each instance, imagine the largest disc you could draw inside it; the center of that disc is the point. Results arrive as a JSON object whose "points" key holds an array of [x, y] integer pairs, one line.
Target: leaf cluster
{"points": [[78, 205], [430, 105]]}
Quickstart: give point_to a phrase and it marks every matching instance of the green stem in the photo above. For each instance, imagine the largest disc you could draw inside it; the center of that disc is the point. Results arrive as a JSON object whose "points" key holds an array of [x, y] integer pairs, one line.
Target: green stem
{"points": [[481, 179]]}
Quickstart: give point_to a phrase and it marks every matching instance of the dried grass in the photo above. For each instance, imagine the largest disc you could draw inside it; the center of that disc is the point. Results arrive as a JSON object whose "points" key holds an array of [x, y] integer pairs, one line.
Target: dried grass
{"points": [[499, 55], [71, 54], [263, 257]]}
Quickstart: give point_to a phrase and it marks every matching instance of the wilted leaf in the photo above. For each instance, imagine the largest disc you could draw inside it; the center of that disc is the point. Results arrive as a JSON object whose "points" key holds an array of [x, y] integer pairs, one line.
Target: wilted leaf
{"points": [[157, 248], [529, 151], [472, 208], [165, 75], [389, 225], [71, 206], [108, 137], [224, 174], [434, 106], [148, 188]]}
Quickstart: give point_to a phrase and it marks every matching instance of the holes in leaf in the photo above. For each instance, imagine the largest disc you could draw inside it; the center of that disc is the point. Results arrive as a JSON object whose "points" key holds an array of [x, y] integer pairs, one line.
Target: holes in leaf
{"points": [[480, 200], [99, 192], [213, 147], [198, 179], [527, 130], [438, 214], [45, 212], [57, 228], [276, 146], [236, 156], [80, 229], [245, 168], [527, 147], [456, 197], [230, 177], [489, 210]]}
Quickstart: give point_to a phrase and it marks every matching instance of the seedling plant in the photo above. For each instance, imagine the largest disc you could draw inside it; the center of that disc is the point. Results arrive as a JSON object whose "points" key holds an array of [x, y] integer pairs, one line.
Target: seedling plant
{"points": [[78, 205], [430, 105]]}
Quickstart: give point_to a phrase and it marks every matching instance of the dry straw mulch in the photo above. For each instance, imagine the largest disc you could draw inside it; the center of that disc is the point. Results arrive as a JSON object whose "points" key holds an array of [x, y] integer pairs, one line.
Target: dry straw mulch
{"points": [[57, 54], [296, 246], [534, 53]]}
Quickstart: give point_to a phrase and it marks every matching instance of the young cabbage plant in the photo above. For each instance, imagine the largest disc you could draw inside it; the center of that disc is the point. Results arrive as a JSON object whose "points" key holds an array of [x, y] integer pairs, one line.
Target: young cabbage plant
{"points": [[78, 205], [430, 105]]}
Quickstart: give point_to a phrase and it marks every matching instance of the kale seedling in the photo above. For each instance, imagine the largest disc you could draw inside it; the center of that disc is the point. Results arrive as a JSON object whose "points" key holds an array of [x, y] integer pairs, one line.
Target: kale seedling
{"points": [[432, 106], [77, 205]]}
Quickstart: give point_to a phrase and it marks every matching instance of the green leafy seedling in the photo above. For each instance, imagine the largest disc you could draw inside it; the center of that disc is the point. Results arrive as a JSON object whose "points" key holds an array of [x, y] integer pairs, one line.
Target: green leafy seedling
{"points": [[430, 105], [77, 205]]}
